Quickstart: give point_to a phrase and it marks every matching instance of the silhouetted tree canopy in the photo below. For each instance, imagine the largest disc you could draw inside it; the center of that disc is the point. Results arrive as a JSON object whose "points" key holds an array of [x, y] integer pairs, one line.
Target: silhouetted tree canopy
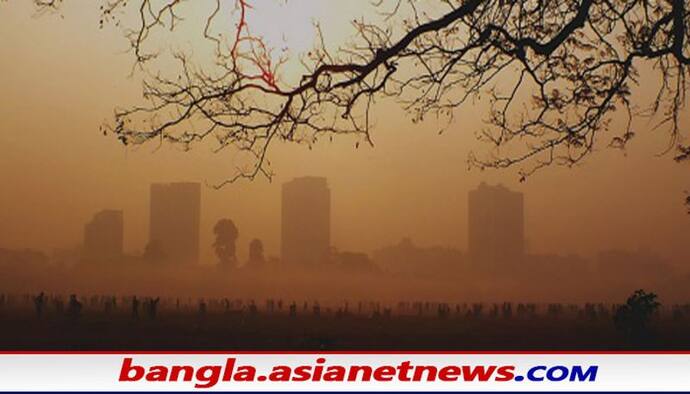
{"points": [[225, 244], [634, 316], [553, 72]]}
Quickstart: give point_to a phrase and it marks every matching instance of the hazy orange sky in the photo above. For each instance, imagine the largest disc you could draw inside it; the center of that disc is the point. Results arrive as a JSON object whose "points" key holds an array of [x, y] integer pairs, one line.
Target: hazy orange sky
{"points": [[60, 78]]}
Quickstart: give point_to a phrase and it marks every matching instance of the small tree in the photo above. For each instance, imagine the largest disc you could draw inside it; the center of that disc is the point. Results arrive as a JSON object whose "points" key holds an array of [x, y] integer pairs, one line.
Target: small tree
{"points": [[634, 316], [226, 236]]}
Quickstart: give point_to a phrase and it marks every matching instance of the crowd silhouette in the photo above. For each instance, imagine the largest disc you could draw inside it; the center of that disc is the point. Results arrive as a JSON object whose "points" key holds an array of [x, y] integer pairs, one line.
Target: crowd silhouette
{"points": [[633, 322], [150, 307]]}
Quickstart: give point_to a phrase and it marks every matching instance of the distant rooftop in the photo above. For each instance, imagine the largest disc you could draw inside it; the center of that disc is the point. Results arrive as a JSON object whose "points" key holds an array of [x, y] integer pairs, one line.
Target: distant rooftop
{"points": [[495, 188], [309, 180], [108, 212], [176, 183]]}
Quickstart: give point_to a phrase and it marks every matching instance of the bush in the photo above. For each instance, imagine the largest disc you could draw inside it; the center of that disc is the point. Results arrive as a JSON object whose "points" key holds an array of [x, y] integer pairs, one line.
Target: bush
{"points": [[634, 316]]}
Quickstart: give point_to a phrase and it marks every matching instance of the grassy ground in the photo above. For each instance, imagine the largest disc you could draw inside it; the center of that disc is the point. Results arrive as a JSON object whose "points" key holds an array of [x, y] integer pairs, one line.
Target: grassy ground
{"points": [[172, 330]]}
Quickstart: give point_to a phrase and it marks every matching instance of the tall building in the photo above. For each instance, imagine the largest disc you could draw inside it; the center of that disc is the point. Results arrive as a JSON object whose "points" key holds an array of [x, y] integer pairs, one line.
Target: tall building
{"points": [[496, 224], [104, 236], [174, 223], [306, 221]]}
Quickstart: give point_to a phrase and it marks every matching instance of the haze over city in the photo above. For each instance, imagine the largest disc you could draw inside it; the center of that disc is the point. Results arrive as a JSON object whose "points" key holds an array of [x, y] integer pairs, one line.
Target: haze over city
{"points": [[58, 170], [412, 183]]}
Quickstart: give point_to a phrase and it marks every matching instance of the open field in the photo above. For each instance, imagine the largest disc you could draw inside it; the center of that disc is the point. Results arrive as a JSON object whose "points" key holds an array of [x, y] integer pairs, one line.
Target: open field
{"points": [[188, 328]]}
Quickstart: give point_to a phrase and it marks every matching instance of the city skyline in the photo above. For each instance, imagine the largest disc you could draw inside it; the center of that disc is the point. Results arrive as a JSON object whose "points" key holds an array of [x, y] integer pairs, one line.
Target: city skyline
{"points": [[495, 218], [305, 222], [62, 169]]}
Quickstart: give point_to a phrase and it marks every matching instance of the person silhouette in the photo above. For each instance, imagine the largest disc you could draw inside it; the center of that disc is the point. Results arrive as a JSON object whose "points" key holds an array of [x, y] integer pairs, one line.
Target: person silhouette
{"points": [[39, 302], [135, 307], [74, 307], [153, 307], [253, 310]]}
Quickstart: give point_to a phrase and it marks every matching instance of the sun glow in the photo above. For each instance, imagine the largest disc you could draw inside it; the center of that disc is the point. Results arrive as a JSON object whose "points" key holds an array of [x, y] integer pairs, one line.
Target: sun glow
{"points": [[286, 30], [286, 25]]}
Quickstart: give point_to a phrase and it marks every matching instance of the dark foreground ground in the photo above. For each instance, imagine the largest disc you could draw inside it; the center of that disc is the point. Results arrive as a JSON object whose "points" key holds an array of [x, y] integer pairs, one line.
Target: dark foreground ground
{"points": [[23, 330]]}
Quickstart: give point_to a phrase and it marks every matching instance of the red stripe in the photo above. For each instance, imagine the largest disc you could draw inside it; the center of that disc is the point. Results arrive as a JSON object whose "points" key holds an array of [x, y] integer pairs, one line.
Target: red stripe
{"points": [[347, 352]]}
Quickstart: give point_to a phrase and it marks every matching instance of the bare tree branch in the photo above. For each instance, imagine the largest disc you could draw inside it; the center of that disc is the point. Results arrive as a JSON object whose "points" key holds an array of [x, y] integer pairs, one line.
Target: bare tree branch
{"points": [[555, 73]]}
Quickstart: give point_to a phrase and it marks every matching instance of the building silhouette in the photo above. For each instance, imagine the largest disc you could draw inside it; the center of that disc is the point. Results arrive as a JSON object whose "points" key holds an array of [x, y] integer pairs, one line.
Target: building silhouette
{"points": [[174, 223], [306, 221], [104, 236], [496, 224]]}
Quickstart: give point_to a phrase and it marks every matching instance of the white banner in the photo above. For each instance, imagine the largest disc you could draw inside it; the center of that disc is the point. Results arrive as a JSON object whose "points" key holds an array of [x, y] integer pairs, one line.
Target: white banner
{"points": [[344, 371]]}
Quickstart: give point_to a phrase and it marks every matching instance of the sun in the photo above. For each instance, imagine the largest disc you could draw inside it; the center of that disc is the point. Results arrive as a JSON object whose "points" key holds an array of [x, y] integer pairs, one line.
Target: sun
{"points": [[287, 28], [286, 24]]}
